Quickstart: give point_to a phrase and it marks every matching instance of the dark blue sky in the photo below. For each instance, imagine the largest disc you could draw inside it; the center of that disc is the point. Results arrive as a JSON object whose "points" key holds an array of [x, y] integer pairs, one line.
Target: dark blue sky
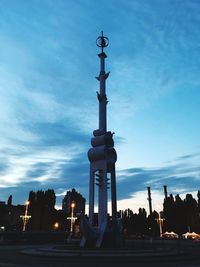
{"points": [[48, 61]]}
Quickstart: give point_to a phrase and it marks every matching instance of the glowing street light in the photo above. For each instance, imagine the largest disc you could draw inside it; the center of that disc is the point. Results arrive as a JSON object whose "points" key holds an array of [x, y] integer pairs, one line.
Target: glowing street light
{"points": [[160, 222], [25, 217], [56, 225], [72, 218]]}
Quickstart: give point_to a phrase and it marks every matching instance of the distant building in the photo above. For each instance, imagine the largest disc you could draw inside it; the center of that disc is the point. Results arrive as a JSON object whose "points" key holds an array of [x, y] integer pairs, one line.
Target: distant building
{"points": [[77, 198]]}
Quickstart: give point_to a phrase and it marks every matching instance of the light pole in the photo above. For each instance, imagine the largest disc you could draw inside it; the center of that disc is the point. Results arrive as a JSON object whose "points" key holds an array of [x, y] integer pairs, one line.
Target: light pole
{"points": [[160, 222], [72, 218], [25, 217]]}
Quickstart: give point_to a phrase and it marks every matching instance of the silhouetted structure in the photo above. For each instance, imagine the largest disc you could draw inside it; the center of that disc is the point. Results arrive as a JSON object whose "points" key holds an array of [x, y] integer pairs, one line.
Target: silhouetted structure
{"points": [[102, 157], [149, 199], [9, 202], [165, 191]]}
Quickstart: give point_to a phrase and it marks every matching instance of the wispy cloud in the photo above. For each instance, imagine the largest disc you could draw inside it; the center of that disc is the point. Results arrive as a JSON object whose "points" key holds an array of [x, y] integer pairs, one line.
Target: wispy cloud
{"points": [[183, 176]]}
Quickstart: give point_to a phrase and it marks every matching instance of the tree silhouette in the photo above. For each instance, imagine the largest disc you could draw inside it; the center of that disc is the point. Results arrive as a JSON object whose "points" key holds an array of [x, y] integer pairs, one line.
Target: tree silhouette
{"points": [[198, 201], [169, 213], [192, 213], [42, 209], [9, 202]]}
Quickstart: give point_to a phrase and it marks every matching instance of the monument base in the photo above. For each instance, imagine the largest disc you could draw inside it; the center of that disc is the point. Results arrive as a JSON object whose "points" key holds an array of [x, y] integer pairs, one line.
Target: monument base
{"points": [[93, 237]]}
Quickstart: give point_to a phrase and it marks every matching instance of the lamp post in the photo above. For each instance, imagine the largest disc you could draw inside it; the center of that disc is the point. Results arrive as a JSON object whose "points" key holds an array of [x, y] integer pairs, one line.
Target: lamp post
{"points": [[160, 222], [72, 218], [25, 217]]}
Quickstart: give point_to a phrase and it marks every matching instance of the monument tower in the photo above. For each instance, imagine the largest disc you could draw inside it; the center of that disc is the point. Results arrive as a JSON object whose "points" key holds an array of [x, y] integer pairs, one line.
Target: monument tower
{"points": [[102, 157]]}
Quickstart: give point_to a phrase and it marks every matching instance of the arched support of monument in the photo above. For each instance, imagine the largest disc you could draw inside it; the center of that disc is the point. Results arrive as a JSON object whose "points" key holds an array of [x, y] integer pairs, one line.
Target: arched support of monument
{"points": [[91, 197], [114, 197]]}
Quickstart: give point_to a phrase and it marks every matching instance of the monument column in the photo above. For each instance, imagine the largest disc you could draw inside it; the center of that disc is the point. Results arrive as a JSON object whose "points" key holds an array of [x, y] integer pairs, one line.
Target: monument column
{"points": [[102, 157]]}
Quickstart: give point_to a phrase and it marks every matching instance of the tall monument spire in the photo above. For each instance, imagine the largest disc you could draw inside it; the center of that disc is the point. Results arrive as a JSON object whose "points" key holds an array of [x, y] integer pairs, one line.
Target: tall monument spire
{"points": [[102, 157], [102, 42]]}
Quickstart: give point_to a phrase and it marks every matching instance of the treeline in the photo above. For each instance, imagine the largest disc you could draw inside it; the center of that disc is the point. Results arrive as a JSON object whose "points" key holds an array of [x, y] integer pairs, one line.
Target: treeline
{"points": [[43, 213], [178, 215], [182, 215]]}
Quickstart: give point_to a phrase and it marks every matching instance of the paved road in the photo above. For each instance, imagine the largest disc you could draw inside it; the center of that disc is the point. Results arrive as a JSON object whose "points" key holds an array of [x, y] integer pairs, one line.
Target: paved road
{"points": [[10, 256]]}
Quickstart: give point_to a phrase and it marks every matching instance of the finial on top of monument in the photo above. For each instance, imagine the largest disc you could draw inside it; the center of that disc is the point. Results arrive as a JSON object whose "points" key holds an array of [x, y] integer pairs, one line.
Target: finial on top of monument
{"points": [[102, 41]]}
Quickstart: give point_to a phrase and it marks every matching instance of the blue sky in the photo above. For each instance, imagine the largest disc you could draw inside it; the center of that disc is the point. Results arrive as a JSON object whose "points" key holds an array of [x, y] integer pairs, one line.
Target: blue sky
{"points": [[48, 61]]}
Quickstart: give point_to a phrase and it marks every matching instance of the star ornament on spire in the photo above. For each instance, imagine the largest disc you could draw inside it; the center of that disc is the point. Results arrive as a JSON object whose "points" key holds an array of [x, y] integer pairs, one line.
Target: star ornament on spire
{"points": [[102, 41]]}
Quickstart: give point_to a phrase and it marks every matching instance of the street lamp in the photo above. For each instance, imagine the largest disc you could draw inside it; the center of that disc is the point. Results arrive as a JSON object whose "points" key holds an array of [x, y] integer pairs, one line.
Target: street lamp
{"points": [[160, 222], [56, 225], [25, 217], [72, 218]]}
